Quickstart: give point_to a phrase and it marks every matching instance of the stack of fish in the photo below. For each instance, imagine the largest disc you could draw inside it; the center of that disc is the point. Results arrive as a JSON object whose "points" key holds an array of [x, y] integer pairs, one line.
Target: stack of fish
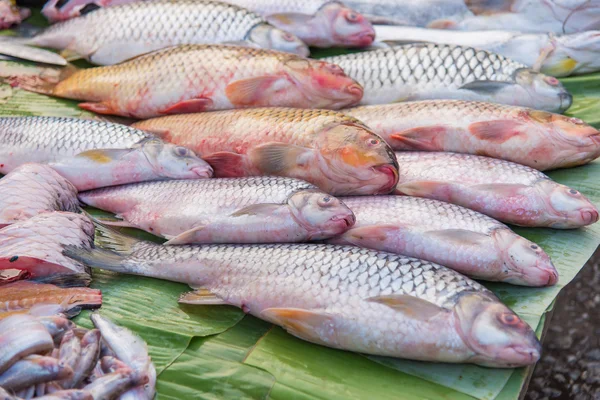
{"points": [[431, 148], [49, 358]]}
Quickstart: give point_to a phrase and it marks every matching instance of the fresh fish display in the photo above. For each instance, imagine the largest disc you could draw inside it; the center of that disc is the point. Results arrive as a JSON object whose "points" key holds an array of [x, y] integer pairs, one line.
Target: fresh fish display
{"points": [[464, 240], [230, 210], [10, 14], [32, 189], [556, 16], [33, 370], [211, 77], [92, 154], [22, 296], [328, 149], [115, 34], [538, 139], [506, 191], [35, 245], [338, 296], [22, 335], [558, 56], [432, 71]]}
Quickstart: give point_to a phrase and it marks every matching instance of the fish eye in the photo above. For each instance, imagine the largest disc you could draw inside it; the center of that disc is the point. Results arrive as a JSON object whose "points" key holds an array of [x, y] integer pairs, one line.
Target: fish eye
{"points": [[534, 246], [509, 319], [288, 37], [335, 69], [550, 80], [181, 151], [352, 17], [324, 201], [373, 142], [574, 192]]}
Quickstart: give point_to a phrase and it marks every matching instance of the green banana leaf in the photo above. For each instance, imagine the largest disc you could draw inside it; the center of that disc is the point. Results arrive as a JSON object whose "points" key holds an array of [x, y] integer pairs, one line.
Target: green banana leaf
{"points": [[216, 352]]}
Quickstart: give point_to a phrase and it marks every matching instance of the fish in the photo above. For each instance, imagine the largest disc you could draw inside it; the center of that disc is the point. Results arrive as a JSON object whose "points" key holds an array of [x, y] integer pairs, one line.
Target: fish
{"points": [[11, 15], [22, 296], [73, 394], [211, 77], [92, 154], [503, 190], [433, 71], [115, 34], [228, 210], [455, 237], [534, 138], [557, 56], [69, 351], [556, 16], [35, 245], [32, 370], [90, 351], [336, 153], [21, 336], [112, 385], [343, 297], [131, 350], [24, 52], [57, 326], [32, 189]]}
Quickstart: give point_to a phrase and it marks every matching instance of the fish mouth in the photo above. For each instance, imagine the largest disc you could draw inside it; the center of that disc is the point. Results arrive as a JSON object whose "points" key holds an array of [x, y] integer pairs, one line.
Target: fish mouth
{"points": [[362, 39], [392, 174], [355, 90], [589, 216], [566, 100], [203, 172], [548, 273], [345, 221]]}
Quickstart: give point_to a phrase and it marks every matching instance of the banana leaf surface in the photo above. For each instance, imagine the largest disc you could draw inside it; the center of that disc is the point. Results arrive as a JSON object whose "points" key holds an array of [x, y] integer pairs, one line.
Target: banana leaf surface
{"points": [[215, 352]]}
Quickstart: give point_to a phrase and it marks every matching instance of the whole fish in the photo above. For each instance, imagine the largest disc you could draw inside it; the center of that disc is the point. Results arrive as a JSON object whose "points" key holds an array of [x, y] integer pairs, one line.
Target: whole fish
{"points": [[433, 71], [506, 191], [90, 351], [464, 240], [112, 385], [338, 296], [115, 34], [32, 189], [36, 244], [229, 210], [558, 56], [328, 149], [92, 154], [22, 335], [556, 16], [131, 350], [10, 14], [68, 395], [24, 295], [538, 139], [32, 370], [211, 77]]}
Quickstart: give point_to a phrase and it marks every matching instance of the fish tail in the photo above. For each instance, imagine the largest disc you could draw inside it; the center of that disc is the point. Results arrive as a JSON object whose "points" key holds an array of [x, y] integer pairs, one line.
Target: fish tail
{"points": [[66, 280], [38, 79]]}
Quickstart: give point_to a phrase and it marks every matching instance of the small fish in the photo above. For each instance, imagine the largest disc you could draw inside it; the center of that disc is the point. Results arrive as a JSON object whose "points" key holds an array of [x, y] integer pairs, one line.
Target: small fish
{"points": [[74, 394], [69, 351], [336, 153], [57, 326], [228, 210], [506, 191], [32, 370], [552, 55], [35, 245], [434, 71], [32, 189], [92, 154], [538, 139], [20, 336], [11, 15], [100, 38], [464, 240], [90, 351], [22, 296], [212, 77], [130, 349], [339, 296], [112, 385]]}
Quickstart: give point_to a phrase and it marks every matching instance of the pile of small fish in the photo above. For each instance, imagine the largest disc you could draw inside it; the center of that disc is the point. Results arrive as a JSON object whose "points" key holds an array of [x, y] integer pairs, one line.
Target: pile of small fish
{"points": [[48, 357], [349, 200]]}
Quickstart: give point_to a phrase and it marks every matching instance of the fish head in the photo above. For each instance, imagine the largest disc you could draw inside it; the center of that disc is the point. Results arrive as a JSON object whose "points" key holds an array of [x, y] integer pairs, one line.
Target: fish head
{"points": [[574, 54], [270, 37], [321, 214], [546, 90], [358, 159], [322, 84], [348, 27], [524, 262], [570, 208], [175, 162], [497, 336]]}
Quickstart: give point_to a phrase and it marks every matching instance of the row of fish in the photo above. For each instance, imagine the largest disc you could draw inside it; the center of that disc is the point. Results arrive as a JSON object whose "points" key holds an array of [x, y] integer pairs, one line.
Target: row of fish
{"points": [[47, 357]]}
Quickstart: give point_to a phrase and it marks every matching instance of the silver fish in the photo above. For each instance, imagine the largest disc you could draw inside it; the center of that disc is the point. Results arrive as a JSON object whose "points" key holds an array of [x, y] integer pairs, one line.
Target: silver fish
{"points": [[31, 189], [20, 336], [115, 34], [338, 296], [506, 191], [112, 385], [464, 240], [229, 210], [68, 395], [69, 350], [88, 356], [92, 154], [32, 370], [432, 71]]}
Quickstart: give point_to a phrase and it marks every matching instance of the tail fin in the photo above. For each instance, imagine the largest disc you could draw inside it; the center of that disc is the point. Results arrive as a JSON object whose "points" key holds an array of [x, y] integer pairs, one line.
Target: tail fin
{"points": [[66, 280], [34, 78], [18, 47]]}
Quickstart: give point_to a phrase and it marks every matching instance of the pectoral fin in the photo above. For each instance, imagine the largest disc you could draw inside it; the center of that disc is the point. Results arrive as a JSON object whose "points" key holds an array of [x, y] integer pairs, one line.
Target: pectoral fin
{"points": [[505, 189], [185, 237], [288, 19], [459, 236], [98, 108], [412, 307], [278, 157], [201, 297], [419, 188], [104, 156], [306, 324], [189, 106], [70, 55], [486, 87], [495, 131], [245, 92], [369, 236], [421, 138], [257, 209]]}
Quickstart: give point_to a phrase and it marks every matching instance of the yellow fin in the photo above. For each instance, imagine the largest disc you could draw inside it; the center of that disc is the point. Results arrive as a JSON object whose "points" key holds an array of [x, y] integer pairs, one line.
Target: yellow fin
{"points": [[70, 55], [411, 306], [562, 68], [275, 157], [304, 324], [104, 156], [201, 297]]}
